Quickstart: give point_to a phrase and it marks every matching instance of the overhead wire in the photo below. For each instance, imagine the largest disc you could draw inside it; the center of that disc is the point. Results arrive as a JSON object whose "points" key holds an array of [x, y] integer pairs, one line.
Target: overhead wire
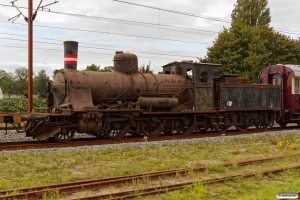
{"points": [[158, 26], [128, 35], [135, 23], [198, 16], [98, 46], [80, 51], [177, 12]]}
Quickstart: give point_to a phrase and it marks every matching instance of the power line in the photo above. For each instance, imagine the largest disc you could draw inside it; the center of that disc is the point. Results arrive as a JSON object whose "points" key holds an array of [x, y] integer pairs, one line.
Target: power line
{"points": [[101, 48], [135, 23], [80, 52], [199, 16], [127, 35], [105, 48], [104, 45], [158, 26], [177, 12]]}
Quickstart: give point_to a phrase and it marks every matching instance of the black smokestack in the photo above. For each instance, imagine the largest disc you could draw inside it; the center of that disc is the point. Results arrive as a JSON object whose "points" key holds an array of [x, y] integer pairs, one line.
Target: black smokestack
{"points": [[71, 53]]}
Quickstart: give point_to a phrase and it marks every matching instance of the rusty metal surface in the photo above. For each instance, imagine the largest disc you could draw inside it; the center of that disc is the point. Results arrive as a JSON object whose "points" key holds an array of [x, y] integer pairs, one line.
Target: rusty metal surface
{"points": [[227, 79], [126, 63], [157, 102], [203, 75], [46, 131], [86, 89], [247, 97], [11, 118]]}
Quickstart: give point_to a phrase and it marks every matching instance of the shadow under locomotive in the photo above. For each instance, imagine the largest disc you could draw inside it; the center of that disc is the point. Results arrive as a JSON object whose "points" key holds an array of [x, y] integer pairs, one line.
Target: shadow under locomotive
{"points": [[125, 101]]}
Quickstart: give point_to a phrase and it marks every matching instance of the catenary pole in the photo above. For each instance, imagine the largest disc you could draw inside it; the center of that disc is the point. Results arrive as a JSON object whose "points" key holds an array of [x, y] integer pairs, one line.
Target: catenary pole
{"points": [[30, 56]]}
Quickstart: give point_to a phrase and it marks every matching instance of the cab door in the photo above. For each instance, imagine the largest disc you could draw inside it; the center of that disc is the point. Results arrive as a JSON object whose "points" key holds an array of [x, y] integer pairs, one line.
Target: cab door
{"points": [[203, 91]]}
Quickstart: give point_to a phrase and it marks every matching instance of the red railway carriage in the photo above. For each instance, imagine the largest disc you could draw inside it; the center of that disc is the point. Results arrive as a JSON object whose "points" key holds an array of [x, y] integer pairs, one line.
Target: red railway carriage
{"points": [[288, 77]]}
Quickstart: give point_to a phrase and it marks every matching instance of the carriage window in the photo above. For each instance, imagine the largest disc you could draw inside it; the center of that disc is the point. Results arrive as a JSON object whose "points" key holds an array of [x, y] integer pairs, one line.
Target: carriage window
{"points": [[296, 85], [203, 76]]}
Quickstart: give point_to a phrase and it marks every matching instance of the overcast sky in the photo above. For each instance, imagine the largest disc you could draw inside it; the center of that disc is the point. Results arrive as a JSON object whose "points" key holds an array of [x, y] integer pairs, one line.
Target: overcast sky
{"points": [[106, 26]]}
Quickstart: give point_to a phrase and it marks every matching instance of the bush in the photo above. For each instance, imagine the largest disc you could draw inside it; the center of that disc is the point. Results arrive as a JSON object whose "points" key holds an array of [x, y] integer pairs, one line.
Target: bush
{"points": [[11, 105]]}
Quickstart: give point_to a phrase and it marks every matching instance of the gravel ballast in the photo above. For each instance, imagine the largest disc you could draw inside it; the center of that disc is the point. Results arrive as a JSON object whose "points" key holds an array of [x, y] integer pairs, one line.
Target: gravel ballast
{"points": [[13, 136]]}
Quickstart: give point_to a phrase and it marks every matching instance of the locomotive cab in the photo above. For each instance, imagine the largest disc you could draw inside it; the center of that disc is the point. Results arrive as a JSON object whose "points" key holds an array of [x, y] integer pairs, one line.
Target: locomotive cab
{"points": [[200, 78]]}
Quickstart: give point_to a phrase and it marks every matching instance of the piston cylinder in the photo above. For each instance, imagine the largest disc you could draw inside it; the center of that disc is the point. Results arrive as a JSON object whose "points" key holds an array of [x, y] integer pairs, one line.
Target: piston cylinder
{"points": [[158, 102], [70, 54]]}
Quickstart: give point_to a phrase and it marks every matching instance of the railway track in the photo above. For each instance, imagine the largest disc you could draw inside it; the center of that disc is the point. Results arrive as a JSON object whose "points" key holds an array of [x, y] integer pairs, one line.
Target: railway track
{"points": [[96, 184], [5, 146]]}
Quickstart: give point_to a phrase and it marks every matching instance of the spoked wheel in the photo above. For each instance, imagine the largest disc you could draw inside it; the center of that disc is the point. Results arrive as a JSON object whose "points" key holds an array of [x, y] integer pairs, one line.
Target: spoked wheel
{"points": [[283, 124], [261, 127], [221, 129], [242, 128], [65, 134], [152, 128], [185, 126], [117, 130]]}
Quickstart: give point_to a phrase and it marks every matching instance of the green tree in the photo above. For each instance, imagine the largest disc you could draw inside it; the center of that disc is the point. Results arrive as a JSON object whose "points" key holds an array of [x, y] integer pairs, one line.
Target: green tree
{"points": [[146, 69], [96, 68], [251, 13], [107, 69], [92, 67], [7, 83], [40, 82], [21, 80], [250, 45]]}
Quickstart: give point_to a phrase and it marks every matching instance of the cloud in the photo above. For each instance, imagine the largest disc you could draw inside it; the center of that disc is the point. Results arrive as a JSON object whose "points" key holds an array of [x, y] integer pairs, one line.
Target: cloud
{"points": [[99, 38]]}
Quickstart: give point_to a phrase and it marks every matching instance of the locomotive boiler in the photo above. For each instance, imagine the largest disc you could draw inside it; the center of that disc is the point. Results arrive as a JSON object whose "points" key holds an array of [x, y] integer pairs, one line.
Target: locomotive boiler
{"points": [[185, 97]]}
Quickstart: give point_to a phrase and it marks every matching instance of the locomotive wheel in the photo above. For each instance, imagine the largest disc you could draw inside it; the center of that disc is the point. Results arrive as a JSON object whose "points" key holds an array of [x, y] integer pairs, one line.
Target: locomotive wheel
{"points": [[185, 126], [64, 135], [152, 128], [117, 130], [283, 124], [242, 128], [221, 129]]}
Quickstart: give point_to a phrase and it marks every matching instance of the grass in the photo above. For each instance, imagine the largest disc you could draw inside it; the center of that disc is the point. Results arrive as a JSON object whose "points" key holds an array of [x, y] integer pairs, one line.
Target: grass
{"points": [[31, 169]]}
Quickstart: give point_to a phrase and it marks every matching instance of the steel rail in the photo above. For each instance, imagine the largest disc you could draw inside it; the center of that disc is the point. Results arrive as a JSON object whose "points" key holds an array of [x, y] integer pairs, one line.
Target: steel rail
{"points": [[35, 192], [163, 189], [92, 141]]}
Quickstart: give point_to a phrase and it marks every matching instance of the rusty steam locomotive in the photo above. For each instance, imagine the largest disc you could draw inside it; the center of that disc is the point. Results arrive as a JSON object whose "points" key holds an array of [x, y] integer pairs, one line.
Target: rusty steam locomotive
{"points": [[125, 101]]}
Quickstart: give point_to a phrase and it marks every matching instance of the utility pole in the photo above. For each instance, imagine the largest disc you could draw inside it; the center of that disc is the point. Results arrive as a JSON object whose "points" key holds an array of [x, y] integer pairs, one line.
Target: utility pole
{"points": [[30, 57], [29, 20]]}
